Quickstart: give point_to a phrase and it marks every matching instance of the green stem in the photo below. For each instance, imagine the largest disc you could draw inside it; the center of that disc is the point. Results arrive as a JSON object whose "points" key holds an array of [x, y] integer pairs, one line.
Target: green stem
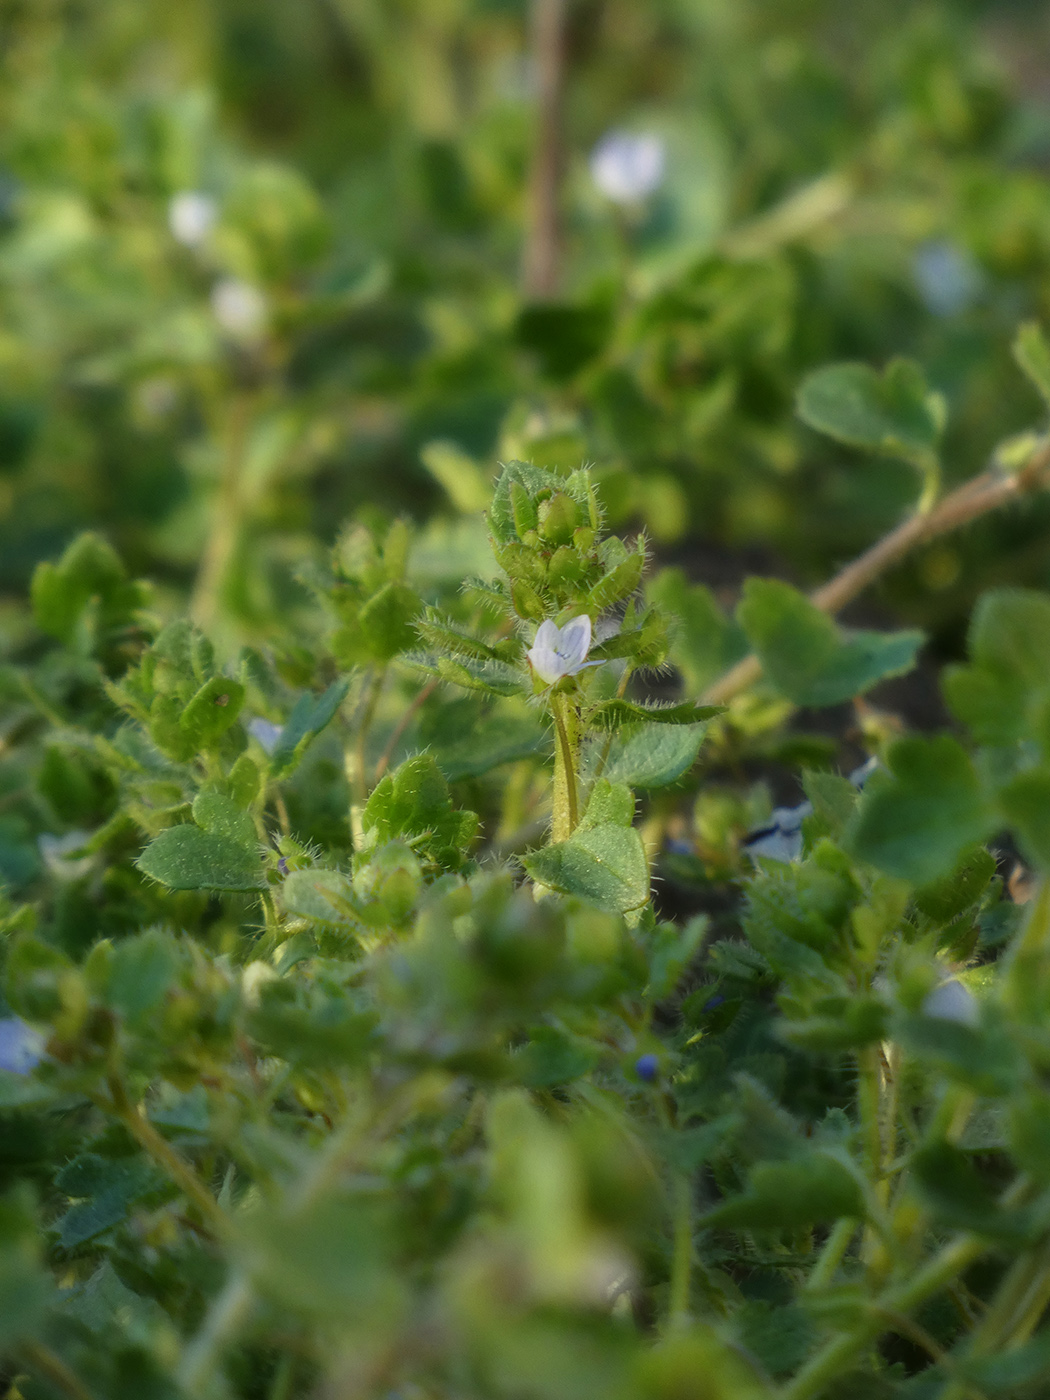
{"points": [[565, 813], [162, 1152], [682, 1257], [223, 1319], [42, 1359], [227, 519], [1028, 961], [283, 1378], [840, 1353], [831, 1255], [368, 713]]}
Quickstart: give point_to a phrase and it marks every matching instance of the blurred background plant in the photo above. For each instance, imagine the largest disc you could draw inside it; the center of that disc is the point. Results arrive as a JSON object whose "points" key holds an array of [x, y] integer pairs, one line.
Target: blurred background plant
{"points": [[263, 268]]}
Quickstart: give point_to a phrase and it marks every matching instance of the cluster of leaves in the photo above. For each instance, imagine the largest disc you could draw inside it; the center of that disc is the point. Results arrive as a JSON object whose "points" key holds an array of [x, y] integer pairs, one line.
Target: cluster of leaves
{"points": [[307, 1086]]}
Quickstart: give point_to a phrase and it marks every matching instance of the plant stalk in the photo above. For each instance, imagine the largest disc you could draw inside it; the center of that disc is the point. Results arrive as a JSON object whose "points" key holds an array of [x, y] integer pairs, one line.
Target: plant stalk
{"points": [[540, 270], [162, 1152], [565, 802], [983, 494]]}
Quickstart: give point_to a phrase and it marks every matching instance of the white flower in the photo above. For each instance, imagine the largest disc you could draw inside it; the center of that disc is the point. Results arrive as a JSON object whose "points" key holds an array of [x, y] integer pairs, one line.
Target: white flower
{"points": [[239, 308], [191, 216], [628, 167], [561, 651]]}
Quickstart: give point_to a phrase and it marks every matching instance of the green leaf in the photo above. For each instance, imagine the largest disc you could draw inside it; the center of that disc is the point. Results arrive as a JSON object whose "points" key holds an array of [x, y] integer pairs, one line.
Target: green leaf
{"points": [[651, 755], [959, 1197], [1025, 802], [553, 1057], [915, 821], [1033, 355], [103, 1300], [221, 816], [894, 412], [86, 592], [331, 1259], [814, 1189], [807, 657], [413, 803], [706, 642], [985, 1060], [142, 969], [1009, 644], [107, 1188], [212, 711], [611, 714], [498, 739], [605, 865], [324, 895], [25, 1289], [187, 858], [311, 714], [674, 950]]}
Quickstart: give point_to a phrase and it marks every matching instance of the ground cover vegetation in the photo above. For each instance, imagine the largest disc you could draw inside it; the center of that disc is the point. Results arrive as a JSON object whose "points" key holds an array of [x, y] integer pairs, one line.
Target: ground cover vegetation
{"points": [[425, 515]]}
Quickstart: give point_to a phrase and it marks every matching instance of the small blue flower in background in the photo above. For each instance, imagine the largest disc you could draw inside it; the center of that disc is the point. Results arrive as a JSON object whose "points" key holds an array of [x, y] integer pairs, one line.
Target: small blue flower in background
{"points": [[21, 1047], [947, 278], [952, 1001], [266, 732], [628, 166], [781, 837], [646, 1067]]}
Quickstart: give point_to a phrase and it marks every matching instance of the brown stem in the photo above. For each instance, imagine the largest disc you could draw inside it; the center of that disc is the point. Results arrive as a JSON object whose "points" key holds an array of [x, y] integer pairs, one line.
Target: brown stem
{"points": [[970, 501], [406, 719], [542, 241]]}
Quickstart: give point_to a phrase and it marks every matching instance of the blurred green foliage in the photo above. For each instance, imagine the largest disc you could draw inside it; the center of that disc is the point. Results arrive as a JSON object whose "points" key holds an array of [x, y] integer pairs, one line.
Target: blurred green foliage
{"points": [[341, 319], [408, 984]]}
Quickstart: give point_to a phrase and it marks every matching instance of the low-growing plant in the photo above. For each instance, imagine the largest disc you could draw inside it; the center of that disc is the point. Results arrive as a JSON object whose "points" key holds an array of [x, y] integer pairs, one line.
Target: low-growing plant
{"points": [[345, 1051]]}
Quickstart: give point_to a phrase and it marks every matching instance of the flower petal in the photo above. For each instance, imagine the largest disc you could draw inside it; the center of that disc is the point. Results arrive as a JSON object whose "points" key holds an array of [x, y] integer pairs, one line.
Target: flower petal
{"points": [[575, 639]]}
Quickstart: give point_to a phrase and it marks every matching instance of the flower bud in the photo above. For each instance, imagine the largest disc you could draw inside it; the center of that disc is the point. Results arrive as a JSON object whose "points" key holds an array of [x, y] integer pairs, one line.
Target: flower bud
{"points": [[565, 568], [521, 503], [559, 517], [527, 602]]}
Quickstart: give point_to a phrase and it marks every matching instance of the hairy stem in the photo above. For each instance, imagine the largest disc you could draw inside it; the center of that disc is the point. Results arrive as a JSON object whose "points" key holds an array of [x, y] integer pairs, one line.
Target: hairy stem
{"points": [[222, 1321], [359, 780], [162, 1152], [985, 493], [540, 264], [565, 814]]}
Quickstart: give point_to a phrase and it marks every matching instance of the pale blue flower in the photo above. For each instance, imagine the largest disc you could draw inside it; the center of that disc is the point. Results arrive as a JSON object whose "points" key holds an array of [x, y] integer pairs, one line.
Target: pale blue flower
{"points": [[947, 278], [561, 651], [266, 732], [628, 167], [21, 1047], [952, 1001]]}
